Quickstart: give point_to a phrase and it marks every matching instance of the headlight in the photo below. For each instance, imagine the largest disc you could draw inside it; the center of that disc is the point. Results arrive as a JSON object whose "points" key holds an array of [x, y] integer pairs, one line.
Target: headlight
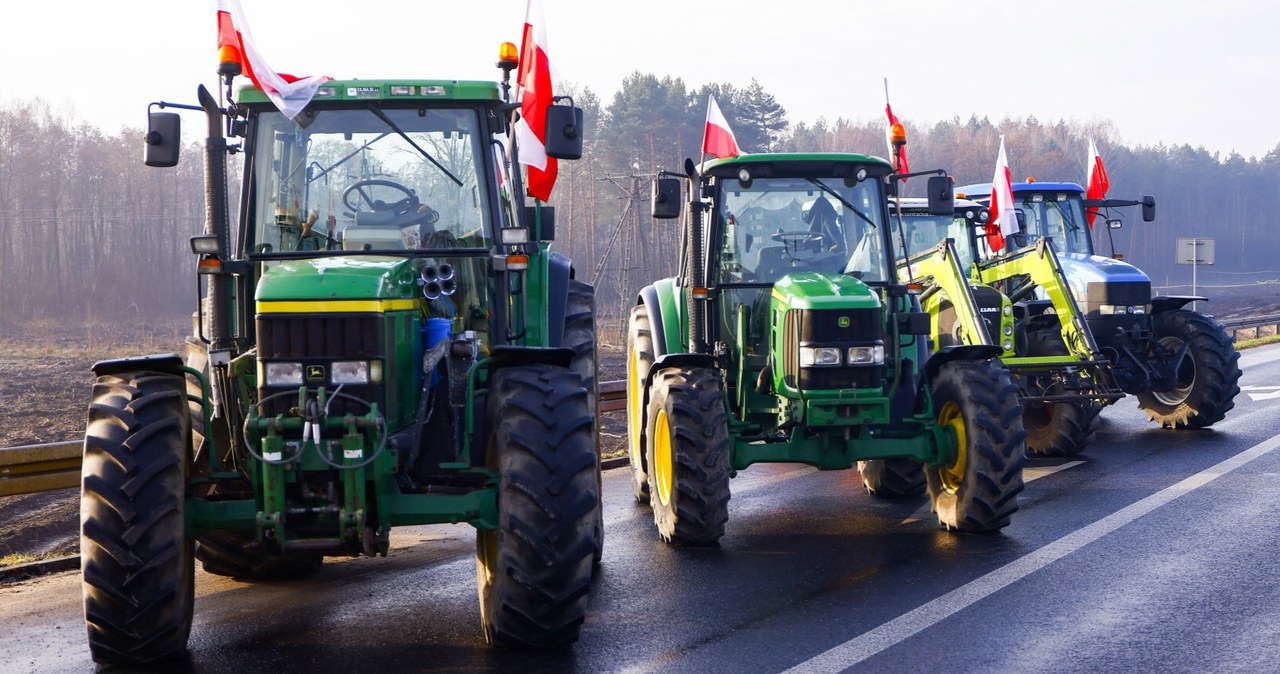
{"points": [[1008, 330], [284, 374], [1008, 345], [1121, 309], [350, 372], [819, 356], [866, 355]]}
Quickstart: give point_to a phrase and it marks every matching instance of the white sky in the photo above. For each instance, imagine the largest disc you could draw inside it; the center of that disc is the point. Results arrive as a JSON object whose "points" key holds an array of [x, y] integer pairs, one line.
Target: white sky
{"points": [[1173, 71]]}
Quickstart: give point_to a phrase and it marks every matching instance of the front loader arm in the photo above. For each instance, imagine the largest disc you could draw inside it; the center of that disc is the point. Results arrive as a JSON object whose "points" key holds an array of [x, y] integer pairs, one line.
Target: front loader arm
{"points": [[1040, 264], [940, 271]]}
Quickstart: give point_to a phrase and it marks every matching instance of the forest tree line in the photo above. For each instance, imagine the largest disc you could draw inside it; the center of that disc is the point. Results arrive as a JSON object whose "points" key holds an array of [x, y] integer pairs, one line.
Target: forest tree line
{"points": [[89, 234]]}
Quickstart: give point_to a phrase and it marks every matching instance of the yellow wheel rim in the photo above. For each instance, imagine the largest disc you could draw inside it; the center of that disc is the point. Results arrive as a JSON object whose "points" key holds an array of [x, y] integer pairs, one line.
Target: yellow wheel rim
{"points": [[662, 469], [635, 413], [951, 477]]}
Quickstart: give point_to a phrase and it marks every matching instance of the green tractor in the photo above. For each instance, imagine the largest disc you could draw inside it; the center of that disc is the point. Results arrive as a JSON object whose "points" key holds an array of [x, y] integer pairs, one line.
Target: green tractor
{"points": [[385, 339], [788, 338], [1063, 378]]}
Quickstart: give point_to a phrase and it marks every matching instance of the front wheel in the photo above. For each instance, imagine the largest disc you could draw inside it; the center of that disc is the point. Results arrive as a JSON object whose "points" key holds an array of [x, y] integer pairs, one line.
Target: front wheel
{"points": [[1060, 429], [534, 571], [137, 565], [688, 449], [979, 490], [1206, 380]]}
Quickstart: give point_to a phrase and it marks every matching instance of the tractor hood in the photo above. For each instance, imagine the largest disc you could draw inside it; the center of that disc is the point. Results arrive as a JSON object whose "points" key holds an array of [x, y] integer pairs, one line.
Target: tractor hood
{"points": [[814, 290], [1100, 284], [339, 278]]}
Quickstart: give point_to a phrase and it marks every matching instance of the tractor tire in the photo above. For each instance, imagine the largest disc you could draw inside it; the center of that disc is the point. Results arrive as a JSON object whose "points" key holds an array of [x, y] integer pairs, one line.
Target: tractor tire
{"points": [[1208, 379], [640, 357], [1060, 429], [137, 566], [580, 335], [688, 431], [893, 478], [979, 491], [534, 571], [234, 553]]}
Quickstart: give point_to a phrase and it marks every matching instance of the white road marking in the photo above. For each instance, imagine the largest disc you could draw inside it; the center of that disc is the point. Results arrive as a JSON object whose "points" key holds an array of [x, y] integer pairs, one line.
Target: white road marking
{"points": [[1261, 392], [1028, 474], [913, 622]]}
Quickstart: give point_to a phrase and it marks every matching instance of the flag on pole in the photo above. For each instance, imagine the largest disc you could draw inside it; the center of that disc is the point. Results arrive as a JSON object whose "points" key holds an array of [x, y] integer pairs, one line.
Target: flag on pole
{"points": [[1096, 180], [290, 94], [1003, 221], [717, 137], [898, 153], [533, 82]]}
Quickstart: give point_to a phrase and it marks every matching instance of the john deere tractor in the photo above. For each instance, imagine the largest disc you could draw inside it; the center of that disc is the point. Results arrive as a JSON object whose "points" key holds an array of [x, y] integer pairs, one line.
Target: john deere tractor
{"points": [[1063, 379], [1181, 365], [787, 337], [383, 338]]}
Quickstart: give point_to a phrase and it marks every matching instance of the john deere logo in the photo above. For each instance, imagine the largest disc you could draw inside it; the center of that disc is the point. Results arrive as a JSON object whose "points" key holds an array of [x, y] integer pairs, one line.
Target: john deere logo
{"points": [[843, 321], [315, 373]]}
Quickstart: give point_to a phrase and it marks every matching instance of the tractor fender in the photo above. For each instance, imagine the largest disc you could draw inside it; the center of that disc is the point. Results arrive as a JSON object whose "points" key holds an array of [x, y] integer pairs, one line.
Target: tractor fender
{"points": [[958, 352], [559, 271], [662, 301], [1163, 303], [168, 363]]}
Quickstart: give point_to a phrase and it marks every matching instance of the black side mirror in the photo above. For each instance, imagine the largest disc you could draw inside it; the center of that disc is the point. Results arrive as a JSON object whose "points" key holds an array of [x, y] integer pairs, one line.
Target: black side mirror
{"points": [[1148, 208], [942, 197], [564, 132], [543, 220], [164, 136], [665, 198]]}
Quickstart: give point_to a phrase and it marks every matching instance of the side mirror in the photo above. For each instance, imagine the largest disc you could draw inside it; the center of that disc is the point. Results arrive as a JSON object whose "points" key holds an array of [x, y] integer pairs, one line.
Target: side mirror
{"points": [[542, 218], [1115, 223], [564, 132], [164, 136], [665, 198], [1148, 208], [942, 198]]}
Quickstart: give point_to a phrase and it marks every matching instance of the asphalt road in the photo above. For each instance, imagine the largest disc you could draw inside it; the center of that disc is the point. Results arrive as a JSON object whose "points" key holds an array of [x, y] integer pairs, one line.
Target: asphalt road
{"points": [[1154, 551]]}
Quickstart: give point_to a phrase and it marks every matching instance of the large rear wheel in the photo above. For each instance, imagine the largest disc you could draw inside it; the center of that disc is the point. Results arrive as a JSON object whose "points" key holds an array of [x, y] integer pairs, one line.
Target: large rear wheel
{"points": [[639, 360], [1207, 379], [688, 449], [979, 490], [534, 570], [1060, 429], [580, 335], [893, 478], [137, 566]]}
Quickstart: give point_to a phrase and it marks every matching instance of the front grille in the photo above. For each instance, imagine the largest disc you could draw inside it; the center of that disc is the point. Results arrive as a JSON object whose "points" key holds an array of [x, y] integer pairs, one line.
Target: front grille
{"points": [[316, 340], [831, 327], [1124, 293]]}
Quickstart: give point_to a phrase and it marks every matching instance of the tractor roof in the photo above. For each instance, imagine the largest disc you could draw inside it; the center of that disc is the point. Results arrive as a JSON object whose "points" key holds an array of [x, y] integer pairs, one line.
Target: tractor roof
{"points": [[389, 90], [983, 190], [796, 164]]}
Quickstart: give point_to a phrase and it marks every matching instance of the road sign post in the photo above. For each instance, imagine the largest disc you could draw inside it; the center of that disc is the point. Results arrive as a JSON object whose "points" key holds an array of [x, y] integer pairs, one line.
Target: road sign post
{"points": [[1195, 252]]}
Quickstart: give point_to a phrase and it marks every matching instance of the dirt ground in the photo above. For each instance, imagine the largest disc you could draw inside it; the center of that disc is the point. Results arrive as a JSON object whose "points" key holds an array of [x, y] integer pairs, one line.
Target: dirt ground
{"points": [[45, 382]]}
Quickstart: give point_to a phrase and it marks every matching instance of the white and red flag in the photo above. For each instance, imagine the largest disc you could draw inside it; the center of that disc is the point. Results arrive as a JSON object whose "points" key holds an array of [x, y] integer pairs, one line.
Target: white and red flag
{"points": [[290, 94], [1097, 183], [1003, 221], [717, 138], [533, 82], [899, 153]]}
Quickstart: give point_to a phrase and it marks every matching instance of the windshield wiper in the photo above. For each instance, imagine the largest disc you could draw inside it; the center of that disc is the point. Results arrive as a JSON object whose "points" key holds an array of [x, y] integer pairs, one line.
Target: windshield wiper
{"points": [[823, 186], [381, 115]]}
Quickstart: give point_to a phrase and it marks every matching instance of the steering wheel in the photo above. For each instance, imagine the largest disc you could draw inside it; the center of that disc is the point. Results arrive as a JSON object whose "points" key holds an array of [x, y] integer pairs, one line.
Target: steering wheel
{"points": [[408, 203], [798, 239]]}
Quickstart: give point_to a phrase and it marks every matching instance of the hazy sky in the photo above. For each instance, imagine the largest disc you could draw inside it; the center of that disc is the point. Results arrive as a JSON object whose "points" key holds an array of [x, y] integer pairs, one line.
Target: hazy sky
{"points": [[1171, 71]]}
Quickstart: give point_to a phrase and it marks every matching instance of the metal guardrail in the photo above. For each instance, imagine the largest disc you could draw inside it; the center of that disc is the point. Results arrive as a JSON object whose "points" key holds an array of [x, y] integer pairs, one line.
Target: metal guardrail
{"points": [[31, 468], [1252, 324], [35, 468]]}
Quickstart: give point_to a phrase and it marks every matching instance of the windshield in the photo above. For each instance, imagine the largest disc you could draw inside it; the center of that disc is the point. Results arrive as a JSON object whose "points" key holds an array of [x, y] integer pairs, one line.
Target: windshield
{"points": [[778, 226], [924, 231], [1056, 216], [369, 179]]}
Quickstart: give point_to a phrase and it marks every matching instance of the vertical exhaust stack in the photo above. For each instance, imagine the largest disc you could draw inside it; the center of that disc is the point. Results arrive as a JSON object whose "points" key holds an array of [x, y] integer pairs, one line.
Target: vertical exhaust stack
{"points": [[216, 220]]}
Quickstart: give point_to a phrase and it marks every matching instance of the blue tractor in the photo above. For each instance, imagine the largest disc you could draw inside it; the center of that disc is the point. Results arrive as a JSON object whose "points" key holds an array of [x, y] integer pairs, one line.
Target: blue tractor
{"points": [[1180, 364]]}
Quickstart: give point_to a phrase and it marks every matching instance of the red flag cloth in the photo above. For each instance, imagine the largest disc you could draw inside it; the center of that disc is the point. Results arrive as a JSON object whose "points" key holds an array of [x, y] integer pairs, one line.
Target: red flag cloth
{"points": [[533, 79], [717, 137], [1003, 221], [290, 94], [898, 154], [1096, 180]]}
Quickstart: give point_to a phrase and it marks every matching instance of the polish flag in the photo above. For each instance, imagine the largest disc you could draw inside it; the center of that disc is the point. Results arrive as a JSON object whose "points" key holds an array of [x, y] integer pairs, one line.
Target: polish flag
{"points": [[899, 154], [533, 87], [290, 94], [1097, 181], [717, 138], [1003, 221]]}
